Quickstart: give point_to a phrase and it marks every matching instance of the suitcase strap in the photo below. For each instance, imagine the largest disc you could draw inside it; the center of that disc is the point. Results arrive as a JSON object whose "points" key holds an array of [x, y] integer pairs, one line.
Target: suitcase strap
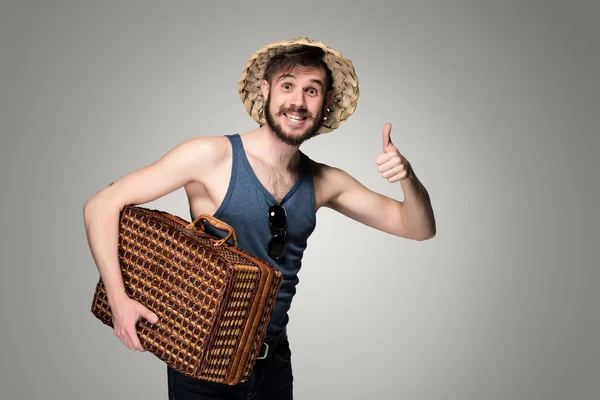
{"points": [[217, 224]]}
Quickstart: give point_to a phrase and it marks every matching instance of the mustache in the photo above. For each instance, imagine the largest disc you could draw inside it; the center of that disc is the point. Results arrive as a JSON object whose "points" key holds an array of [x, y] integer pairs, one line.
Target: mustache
{"points": [[300, 111]]}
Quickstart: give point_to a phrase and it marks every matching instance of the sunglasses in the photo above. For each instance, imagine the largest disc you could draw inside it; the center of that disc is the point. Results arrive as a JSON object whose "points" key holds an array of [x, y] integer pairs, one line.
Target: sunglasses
{"points": [[278, 222]]}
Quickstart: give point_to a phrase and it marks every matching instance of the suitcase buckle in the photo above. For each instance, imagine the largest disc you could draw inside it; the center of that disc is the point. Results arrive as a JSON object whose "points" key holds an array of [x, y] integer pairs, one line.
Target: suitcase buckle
{"points": [[264, 354]]}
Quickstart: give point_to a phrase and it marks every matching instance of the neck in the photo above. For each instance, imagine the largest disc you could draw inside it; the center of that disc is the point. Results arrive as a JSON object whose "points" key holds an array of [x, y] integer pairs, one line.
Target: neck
{"points": [[265, 145]]}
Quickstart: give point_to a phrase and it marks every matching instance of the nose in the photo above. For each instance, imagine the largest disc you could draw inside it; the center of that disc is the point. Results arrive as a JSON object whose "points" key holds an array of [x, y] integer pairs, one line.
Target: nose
{"points": [[297, 99]]}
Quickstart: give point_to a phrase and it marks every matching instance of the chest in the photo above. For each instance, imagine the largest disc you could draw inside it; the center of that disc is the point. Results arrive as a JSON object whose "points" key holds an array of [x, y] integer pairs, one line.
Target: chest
{"points": [[275, 181]]}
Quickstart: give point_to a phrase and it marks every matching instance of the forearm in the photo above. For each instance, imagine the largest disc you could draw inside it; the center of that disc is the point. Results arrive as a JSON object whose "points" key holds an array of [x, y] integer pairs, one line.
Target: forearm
{"points": [[417, 213], [102, 229]]}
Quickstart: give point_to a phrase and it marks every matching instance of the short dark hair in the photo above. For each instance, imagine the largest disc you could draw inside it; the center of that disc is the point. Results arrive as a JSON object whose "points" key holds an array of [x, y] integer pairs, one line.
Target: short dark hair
{"points": [[307, 56]]}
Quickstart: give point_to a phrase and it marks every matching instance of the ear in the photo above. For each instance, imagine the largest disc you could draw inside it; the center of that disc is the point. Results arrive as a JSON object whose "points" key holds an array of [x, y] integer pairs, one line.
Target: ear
{"points": [[264, 86], [328, 99]]}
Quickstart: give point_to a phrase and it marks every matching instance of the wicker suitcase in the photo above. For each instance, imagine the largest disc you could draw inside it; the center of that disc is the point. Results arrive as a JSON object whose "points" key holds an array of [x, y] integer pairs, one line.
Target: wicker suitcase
{"points": [[213, 300]]}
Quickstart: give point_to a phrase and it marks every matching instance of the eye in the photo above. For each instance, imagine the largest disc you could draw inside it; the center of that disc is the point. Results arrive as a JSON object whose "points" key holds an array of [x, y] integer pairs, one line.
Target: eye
{"points": [[286, 86], [312, 91]]}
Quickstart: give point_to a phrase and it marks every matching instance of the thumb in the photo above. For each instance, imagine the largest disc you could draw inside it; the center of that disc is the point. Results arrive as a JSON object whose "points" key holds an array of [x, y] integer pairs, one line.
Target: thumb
{"points": [[385, 135], [149, 315]]}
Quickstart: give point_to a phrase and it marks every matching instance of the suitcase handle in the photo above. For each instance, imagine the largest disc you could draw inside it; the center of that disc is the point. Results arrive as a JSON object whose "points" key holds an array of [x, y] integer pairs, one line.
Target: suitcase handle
{"points": [[217, 224]]}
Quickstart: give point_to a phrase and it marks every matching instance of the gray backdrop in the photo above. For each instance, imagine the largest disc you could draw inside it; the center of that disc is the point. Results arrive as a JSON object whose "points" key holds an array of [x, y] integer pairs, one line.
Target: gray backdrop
{"points": [[495, 104]]}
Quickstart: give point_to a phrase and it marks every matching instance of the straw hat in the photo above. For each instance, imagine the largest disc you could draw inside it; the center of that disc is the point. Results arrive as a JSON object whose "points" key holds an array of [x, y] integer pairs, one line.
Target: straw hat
{"points": [[345, 82]]}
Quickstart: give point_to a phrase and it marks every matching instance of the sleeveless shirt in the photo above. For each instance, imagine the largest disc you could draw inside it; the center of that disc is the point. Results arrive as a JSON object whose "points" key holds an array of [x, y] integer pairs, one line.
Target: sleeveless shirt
{"points": [[245, 208]]}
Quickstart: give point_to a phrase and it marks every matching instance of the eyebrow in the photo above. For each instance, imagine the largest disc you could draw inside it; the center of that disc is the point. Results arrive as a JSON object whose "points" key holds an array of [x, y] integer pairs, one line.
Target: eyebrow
{"points": [[317, 81]]}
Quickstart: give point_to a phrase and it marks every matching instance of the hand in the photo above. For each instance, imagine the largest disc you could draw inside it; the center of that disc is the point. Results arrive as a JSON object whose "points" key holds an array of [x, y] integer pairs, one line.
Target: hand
{"points": [[126, 313], [392, 165]]}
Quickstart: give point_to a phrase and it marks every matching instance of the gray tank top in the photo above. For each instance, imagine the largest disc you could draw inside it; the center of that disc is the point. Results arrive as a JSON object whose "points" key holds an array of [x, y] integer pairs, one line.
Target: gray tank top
{"points": [[245, 208]]}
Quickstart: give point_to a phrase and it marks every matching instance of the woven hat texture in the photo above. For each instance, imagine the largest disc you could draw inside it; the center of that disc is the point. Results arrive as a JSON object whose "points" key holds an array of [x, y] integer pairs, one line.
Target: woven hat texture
{"points": [[345, 82]]}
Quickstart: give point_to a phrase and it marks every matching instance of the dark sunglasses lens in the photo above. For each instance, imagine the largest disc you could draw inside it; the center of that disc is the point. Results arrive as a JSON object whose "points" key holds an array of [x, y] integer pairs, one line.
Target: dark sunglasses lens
{"points": [[277, 217], [276, 246]]}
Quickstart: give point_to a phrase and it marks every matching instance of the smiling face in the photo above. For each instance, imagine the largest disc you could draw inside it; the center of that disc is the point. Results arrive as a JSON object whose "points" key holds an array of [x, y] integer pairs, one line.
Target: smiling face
{"points": [[296, 100]]}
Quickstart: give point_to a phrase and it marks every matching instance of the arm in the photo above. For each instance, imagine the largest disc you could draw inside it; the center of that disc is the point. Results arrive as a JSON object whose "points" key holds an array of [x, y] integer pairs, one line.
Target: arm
{"points": [[412, 219], [182, 165]]}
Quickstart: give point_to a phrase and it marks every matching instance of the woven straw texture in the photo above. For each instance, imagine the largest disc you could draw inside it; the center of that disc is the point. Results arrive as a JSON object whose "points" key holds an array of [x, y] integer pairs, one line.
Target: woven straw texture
{"points": [[212, 299], [345, 82]]}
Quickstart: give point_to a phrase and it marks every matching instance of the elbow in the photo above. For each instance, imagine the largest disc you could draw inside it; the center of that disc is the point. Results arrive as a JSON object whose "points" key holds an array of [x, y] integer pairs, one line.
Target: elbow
{"points": [[89, 208], [426, 235], [96, 207], [430, 235], [428, 231]]}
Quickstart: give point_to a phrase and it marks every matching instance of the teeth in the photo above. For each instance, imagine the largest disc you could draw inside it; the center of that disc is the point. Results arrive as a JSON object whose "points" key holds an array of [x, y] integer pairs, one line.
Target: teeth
{"points": [[295, 117]]}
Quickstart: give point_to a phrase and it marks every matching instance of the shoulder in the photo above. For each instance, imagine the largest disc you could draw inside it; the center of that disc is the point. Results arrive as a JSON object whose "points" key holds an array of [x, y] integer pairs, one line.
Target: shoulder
{"points": [[328, 174], [196, 158], [203, 151], [329, 182], [213, 147]]}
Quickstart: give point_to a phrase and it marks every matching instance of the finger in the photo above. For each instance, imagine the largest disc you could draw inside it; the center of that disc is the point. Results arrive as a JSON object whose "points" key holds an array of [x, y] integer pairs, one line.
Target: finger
{"points": [[385, 157], [139, 348], [150, 316], [386, 136], [391, 163], [402, 174], [135, 341], [398, 177], [393, 171]]}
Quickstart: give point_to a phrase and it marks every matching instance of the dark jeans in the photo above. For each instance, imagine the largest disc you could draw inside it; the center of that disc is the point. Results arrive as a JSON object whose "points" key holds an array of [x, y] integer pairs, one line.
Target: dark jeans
{"points": [[271, 379]]}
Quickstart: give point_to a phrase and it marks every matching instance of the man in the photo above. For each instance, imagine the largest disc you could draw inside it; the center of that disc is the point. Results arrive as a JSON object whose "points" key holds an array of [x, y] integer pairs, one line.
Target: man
{"points": [[268, 190]]}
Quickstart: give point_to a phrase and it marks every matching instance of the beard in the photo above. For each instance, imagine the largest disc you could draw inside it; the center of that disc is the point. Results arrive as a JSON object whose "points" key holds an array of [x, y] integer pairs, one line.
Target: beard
{"points": [[311, 130]]}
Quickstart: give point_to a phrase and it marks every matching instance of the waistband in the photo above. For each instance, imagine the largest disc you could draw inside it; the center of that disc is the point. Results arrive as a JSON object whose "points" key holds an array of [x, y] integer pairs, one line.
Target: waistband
{"points": [[271, 343]]}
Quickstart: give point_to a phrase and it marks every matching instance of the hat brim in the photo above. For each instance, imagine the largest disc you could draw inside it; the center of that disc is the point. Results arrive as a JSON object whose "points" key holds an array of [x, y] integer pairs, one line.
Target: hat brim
{"points": [[345, 83]]}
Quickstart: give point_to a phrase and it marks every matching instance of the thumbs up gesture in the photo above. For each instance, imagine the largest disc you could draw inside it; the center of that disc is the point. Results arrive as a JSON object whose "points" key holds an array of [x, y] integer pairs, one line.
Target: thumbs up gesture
{"points": [[392, 165]]}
